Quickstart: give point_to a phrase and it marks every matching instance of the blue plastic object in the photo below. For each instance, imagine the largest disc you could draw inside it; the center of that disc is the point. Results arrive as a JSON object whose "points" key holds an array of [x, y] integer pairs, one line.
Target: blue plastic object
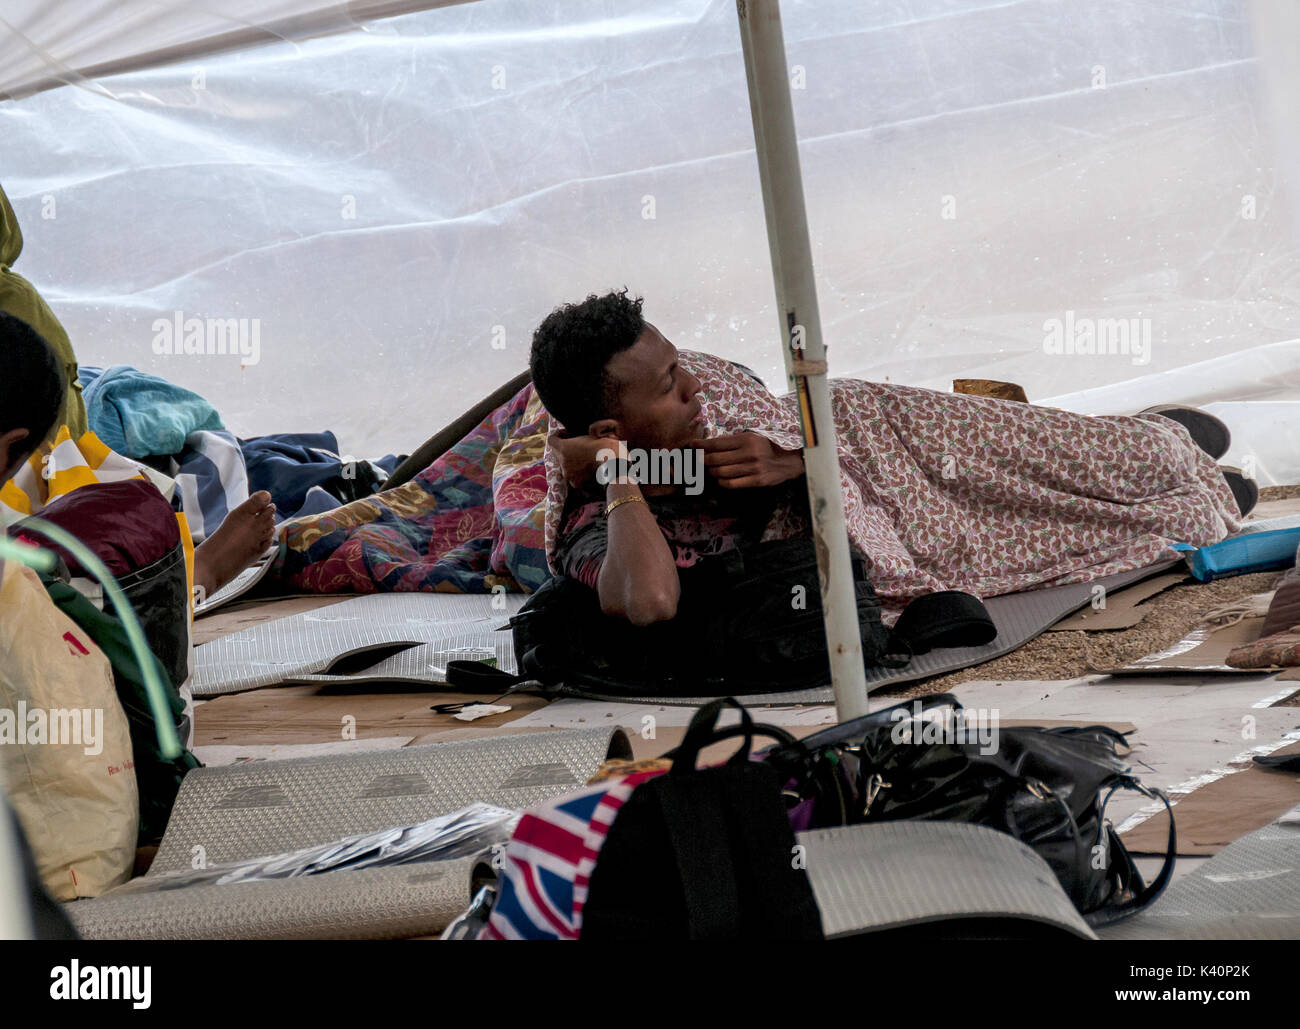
{"points": [[1240, 555]]}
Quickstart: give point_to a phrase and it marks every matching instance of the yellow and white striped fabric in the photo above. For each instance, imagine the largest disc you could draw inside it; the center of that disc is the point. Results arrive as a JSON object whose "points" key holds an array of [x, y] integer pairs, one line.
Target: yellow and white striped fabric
{"points": [[62, 465]]}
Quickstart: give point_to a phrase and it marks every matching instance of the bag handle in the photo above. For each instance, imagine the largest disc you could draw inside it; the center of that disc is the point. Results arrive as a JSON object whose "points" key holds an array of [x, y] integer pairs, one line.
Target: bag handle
{"points": [[703, 732], [729, 732], [838, 734], [1147, 894], [694, 818]]}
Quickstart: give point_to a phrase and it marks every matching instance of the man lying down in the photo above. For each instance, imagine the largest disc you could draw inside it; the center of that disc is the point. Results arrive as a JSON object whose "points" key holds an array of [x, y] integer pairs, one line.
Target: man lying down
{"points": [[941, 491]]}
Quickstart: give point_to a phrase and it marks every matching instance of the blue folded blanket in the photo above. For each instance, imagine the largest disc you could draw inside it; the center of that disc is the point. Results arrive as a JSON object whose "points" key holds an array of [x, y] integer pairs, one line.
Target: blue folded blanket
{"points": [[305, 473], [140, 415]]}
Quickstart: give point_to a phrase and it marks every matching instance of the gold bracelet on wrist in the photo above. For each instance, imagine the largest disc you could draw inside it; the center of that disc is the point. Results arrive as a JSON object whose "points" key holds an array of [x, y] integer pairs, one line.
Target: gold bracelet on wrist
{"points": [[630, 498]]}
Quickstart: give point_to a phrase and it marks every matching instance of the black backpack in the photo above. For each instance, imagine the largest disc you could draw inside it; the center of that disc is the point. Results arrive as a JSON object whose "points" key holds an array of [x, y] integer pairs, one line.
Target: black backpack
{"points": [[748, 621], [703, 853]]}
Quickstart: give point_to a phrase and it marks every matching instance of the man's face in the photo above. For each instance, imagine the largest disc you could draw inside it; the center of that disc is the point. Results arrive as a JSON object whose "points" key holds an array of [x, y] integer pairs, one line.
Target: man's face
{"points": [[658, 406]]}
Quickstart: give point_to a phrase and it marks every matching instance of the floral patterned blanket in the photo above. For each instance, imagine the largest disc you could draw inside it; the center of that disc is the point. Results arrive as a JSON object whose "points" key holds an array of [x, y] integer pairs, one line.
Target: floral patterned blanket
{"points": [[469, 522]]}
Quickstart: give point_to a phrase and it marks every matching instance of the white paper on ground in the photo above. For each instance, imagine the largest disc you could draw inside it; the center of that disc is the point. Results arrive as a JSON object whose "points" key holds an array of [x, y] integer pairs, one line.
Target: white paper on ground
{"points": [[473, 711]]}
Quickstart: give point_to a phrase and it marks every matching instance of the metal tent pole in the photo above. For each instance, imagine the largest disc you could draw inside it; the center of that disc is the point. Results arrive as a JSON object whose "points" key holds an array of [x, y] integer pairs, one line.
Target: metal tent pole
{"points": [[805, 354]]}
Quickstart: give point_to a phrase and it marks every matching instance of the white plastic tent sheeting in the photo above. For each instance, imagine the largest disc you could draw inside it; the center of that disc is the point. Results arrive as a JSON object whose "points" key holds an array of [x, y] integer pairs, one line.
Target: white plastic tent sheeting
{"points": [[45, 44], [395, 209]]}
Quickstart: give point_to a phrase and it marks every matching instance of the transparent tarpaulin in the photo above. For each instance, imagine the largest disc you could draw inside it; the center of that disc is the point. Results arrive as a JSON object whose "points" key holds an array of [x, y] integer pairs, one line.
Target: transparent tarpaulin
{"points": [[47, 43], [388, 213], [459, 834]]}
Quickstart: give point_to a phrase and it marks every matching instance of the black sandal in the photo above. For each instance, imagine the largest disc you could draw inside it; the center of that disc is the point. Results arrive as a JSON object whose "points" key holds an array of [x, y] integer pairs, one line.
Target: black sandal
{"points": [[1208, 432], [1244, 491]]}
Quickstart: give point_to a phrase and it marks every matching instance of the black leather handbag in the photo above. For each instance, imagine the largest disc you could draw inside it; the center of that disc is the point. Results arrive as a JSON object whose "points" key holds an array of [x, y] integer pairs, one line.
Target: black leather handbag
{"points": [[1048, 787]]}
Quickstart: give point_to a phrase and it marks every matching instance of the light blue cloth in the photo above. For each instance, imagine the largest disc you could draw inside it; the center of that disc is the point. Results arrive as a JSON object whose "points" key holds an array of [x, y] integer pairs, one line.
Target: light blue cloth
{"points": [[140, 415]]}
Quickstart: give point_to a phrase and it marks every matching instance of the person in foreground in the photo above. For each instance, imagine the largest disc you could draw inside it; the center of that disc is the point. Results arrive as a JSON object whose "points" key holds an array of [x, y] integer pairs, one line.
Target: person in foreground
{"points": [[941, 491]]}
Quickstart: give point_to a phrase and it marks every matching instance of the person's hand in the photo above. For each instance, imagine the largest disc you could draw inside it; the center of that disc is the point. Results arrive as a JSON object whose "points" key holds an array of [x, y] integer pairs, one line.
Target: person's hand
{"points": [[748, 460], [579, 456]]}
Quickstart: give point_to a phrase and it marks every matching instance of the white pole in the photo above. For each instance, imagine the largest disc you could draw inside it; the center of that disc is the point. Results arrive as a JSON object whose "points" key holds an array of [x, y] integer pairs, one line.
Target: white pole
{"points": [[805, 354]]}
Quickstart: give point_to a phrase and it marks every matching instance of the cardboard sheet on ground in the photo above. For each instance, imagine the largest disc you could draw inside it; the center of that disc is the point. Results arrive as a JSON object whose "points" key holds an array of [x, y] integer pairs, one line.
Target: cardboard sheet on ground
{"points": [[1190, 728], [1249, 891], [1201, 651], [309, 714], [567, 714], [314, 641], [1222, 810], [1124, 608]]}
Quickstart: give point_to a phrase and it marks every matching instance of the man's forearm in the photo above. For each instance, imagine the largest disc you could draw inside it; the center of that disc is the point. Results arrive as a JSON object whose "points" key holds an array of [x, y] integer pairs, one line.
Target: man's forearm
{"points": [[794, 460], [638, 578]]}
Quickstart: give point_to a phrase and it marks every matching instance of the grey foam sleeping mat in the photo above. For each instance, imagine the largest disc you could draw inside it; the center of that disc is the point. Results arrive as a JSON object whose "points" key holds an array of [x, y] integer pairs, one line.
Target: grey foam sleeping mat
{"points": [[416, 899], [305, 647], [314, 641], [236, 812], [1250, 890], [1019, 618]]}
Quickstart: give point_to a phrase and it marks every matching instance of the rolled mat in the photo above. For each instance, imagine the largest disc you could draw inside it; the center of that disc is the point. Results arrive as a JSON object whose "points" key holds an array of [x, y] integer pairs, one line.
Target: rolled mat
{"points": [[957, 878]]}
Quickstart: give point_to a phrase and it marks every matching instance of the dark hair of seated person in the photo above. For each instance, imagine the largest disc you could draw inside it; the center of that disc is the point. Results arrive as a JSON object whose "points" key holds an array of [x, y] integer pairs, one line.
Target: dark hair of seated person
{"points": [[31, 389], [571, 349]]}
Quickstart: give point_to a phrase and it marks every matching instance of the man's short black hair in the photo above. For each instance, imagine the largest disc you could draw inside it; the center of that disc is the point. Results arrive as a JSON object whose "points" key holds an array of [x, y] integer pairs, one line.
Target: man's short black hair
{"points": [[571, 349], [32, 383]]}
